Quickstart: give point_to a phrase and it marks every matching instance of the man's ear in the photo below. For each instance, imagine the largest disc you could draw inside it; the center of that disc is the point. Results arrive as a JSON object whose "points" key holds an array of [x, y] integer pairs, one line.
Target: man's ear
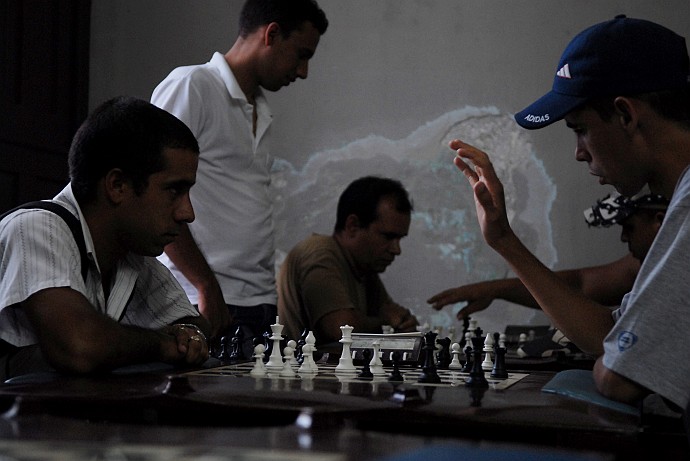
{"points": [[271, 33], [659, 219], [352, 224], [627, 112], [116, 186]]}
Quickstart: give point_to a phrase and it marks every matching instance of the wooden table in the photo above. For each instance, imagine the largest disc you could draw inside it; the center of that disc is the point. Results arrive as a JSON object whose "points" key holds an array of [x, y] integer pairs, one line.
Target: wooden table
{"points": [[360, 419]]}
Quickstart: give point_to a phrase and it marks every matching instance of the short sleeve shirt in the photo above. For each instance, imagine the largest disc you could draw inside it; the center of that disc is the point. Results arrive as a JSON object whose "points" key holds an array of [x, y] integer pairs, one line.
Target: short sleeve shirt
{"points": [[648, 343], [318, 277]]}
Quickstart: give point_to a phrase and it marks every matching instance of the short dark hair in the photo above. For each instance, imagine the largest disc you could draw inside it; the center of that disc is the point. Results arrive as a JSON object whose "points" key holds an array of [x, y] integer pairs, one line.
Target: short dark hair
{"points": [[126, 133], [362, 198], [289, 14], [673, 105]]}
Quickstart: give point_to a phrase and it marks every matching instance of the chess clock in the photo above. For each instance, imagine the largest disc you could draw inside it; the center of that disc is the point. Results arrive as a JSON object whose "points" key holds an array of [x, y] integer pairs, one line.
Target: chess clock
{"points": [[409, 345]]}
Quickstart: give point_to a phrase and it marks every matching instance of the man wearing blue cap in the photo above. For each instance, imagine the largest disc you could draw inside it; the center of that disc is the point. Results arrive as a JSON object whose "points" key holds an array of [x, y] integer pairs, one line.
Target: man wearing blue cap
{"points": [[623, 87]]}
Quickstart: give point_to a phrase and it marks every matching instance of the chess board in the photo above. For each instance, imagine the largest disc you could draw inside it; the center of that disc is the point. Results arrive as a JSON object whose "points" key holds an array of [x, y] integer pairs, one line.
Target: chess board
{"points": [[326, 371]]}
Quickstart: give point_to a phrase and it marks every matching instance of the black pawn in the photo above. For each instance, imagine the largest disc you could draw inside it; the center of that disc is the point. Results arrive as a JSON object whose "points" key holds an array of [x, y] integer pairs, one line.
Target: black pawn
{"points": [[499, 370], [444, 357], [366, 373], [396, 376], [429, 373], [468, 360], [465, 327]]}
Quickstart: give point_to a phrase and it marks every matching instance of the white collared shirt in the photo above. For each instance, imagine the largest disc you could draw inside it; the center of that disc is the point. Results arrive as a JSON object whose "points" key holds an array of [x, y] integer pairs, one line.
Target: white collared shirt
{"points": [[232, 199]]}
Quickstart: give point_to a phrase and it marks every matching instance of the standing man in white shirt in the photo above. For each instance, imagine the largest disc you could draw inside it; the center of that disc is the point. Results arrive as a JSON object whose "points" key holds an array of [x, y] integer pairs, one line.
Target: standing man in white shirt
{"points": [[225, 259]]}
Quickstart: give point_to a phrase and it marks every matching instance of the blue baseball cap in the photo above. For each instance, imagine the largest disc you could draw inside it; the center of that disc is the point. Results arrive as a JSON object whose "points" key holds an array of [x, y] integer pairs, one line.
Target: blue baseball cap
{"points": [[623, 56]]}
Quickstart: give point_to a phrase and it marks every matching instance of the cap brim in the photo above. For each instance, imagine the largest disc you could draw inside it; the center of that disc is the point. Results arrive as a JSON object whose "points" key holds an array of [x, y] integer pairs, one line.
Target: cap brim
{"points": [[548, 109]]}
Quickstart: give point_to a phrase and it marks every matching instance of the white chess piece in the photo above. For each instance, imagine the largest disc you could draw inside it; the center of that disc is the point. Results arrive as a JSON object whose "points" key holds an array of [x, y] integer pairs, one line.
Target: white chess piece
{"points": [[345, 364], [455, 351], [473, 327], [275, 361], [311, 340], [488, 364], [522, 339], [376, 365], [287, 371], [308, 366], [292, 359], [259, 369]]}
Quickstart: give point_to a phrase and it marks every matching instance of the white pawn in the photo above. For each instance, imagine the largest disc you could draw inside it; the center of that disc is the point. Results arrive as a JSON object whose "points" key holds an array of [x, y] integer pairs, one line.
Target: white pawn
{"points": [[308, 366], [502, 340], [455, 351], [487, 364], [291, 358], [375, 365], [259, 368], [287, 371]]}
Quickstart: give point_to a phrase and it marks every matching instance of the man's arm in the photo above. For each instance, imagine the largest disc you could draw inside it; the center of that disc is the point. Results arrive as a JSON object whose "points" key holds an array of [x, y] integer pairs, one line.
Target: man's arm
{"points": [[615, 386], [605, 284], [328, 326], [582, 320], [74, 337], [185, 254]]}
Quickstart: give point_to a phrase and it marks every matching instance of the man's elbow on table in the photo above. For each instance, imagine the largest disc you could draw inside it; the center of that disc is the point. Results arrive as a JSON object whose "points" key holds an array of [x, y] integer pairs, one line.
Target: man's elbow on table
{"points": [[615, 386]]}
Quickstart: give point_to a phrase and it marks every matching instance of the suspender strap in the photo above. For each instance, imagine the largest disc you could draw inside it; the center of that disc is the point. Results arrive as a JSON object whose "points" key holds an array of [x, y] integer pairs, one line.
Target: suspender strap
{"points": [[66, 216]]}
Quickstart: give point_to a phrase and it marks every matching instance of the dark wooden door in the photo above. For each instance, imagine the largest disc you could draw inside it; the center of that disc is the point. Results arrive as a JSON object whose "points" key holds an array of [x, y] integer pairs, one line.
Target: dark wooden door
{"points": [[44, 59]]}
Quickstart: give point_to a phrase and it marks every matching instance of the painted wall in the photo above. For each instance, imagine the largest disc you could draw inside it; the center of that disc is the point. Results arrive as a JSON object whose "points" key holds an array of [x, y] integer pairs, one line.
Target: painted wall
{"points": [[404, 76]]}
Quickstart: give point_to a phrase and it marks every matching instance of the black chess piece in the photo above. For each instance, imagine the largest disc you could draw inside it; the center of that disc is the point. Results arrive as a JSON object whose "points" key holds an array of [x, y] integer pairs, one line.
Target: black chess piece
{"points": [[468, 360], [366, 373], [429, 373], [444, 357], [465, 327], [396, 376], [499, 370], [300, 344], [236, 353], [222, 352], [476, 396], [268, 344], [477, 378]]}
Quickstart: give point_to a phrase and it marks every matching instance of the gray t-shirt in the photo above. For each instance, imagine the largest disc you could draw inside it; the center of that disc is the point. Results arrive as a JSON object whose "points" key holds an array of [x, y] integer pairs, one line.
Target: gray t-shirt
{"points": [[649, 342]]}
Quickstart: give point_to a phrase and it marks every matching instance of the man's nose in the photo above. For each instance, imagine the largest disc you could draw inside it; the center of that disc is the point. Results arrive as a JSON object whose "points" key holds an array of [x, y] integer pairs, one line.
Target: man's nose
{"points": [[185, 212]]}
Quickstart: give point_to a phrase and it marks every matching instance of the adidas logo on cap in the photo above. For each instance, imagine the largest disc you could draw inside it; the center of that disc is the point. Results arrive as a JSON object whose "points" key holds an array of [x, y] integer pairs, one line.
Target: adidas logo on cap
{"points": [[564, 72]]}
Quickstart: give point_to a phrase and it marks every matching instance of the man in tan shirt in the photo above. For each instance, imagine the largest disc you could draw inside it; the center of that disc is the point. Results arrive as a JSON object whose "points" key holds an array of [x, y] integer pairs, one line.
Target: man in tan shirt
{"points": [[330, 281]]}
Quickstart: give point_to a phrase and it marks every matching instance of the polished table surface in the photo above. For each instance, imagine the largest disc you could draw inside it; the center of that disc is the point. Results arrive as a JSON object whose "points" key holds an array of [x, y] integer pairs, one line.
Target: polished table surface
{"points": [[360, 419]]}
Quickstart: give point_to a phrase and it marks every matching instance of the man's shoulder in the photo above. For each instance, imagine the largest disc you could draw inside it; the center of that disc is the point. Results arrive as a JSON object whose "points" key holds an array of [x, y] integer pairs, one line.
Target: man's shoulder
{"points": [[317, 243], [199, 75], [34, 219], [315, 249]]}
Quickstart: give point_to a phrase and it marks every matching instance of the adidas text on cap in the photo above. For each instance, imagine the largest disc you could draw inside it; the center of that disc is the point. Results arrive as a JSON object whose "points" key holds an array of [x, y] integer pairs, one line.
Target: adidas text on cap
{"points": [[623, 56]]}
